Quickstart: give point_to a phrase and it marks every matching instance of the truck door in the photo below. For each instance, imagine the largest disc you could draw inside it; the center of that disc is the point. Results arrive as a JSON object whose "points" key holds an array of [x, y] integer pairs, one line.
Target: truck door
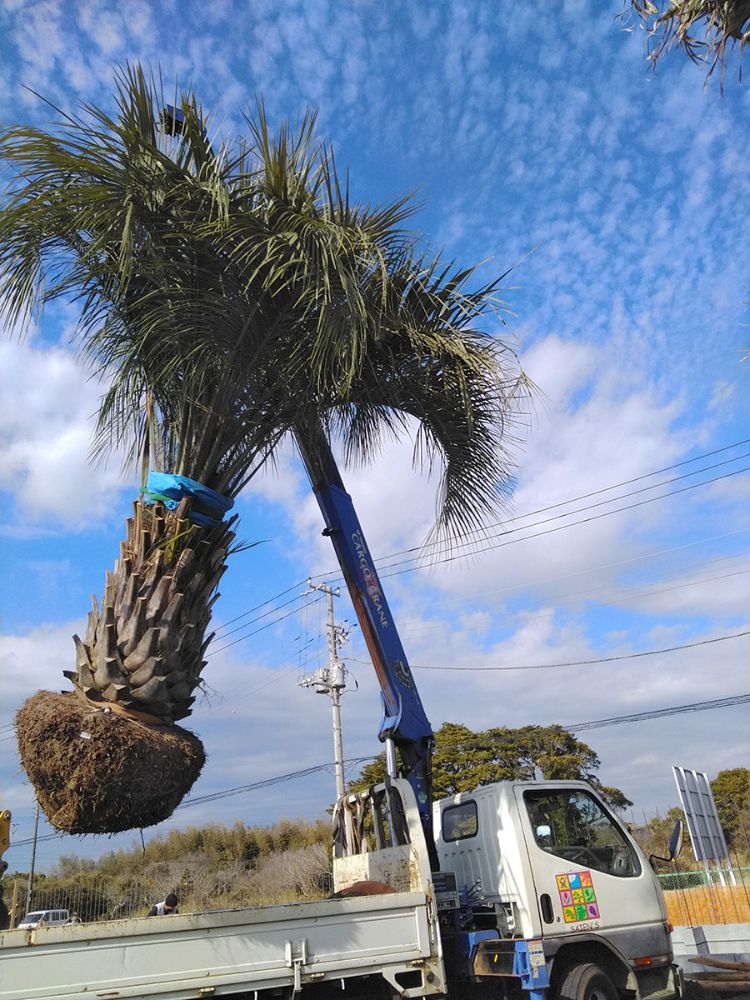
{"points": [[588, 874]]}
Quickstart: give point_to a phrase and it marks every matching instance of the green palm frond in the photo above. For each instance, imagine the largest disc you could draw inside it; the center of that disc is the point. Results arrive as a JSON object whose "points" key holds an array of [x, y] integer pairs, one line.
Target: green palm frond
{"points": [[229, 297]]}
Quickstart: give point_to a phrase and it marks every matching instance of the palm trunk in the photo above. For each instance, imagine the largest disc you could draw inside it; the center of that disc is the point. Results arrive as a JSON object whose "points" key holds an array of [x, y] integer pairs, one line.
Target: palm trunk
{"points": [[109, 757], [144, 649]]}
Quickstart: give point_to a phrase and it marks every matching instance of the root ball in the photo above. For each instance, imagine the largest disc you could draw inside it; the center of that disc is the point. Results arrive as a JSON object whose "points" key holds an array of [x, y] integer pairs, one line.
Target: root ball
{"points": [[95, 771]]}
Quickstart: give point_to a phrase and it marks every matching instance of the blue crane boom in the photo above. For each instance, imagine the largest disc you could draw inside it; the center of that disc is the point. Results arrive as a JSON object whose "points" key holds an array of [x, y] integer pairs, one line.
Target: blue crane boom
{"points": [[404, 719]]}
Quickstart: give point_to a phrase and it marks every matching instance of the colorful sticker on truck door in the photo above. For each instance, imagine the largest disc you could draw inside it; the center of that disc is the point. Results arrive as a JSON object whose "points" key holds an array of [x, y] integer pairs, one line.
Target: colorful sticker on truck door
{"points": [[577, 896]]}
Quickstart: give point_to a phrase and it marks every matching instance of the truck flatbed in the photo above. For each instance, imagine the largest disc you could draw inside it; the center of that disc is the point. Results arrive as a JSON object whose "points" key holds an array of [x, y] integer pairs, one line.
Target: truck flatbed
{"points": [[226, 952]]}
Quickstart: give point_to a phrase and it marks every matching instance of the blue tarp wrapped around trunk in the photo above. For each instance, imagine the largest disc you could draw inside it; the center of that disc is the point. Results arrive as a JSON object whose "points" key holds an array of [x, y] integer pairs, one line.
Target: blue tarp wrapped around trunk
{"points": [[207, 506]]}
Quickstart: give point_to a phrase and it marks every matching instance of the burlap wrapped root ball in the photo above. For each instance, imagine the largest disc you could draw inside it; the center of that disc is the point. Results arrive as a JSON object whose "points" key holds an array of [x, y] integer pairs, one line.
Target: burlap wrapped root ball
{"points": [[95, 771]]}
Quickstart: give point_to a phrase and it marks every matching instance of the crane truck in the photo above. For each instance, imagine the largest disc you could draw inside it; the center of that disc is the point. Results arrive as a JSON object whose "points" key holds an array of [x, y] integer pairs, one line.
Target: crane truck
{"points": [[517, 889]]}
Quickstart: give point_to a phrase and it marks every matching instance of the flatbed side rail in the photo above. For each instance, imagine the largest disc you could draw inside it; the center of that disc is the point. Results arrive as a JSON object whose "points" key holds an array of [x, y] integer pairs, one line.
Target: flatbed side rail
{"points": [[223, 952]]}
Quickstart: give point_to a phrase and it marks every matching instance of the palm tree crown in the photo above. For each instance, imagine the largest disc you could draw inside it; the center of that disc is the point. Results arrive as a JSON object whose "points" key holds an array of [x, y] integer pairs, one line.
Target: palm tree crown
{"points": [[228, 297]]}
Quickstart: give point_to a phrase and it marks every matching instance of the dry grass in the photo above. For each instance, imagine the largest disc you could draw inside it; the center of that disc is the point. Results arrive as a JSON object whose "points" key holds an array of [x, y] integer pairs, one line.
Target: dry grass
{"points": [[708, 905]]}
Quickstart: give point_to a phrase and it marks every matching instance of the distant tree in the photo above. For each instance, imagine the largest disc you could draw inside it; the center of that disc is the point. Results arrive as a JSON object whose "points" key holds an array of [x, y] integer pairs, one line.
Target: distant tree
{"points": [[731, 790], [464, 759], [70, 866], [704, 29]]}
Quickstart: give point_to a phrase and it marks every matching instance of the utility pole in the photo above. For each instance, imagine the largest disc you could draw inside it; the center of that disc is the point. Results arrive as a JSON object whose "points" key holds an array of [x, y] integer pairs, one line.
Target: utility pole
{"points": [[30, 887], [331, 680]]}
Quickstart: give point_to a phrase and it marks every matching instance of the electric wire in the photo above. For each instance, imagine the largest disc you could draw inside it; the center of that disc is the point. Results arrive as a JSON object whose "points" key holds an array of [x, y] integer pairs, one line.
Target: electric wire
{"points": [[502, 544], [417, 561], [222, 634], [619, 597], [658, 713], [481, 532], [7, 731], [283, 593], [242, 638], [351, 761], [336, 577], [484, 533], [384, 564], [609, 565], [225, 793], [578, 663]]}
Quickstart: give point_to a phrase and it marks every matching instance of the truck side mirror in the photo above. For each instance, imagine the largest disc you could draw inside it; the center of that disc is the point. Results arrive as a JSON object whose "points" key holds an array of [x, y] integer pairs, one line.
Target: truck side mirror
{"points": [[675, 841], [675, 844]]}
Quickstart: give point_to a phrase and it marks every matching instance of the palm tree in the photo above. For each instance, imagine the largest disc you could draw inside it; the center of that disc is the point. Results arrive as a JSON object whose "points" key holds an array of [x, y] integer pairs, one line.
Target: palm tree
{"points": [[704, 29], [228, 298]]}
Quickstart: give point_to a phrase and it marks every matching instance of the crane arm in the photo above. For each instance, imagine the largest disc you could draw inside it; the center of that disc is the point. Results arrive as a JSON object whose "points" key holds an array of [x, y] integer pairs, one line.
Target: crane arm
{"points": [[404, 719]]}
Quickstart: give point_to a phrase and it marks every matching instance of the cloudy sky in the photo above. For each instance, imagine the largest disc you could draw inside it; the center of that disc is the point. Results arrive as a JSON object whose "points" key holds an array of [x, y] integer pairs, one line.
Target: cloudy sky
{"points": [[536, 137]]}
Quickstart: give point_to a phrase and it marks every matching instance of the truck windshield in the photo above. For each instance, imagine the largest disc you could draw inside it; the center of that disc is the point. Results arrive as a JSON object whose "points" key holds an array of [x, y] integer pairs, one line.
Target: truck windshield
{"points": [[571, 824]]}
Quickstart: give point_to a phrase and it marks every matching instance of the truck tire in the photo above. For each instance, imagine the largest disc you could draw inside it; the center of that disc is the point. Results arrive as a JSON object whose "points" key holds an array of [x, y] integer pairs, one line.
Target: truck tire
{"points": [[586, 982]]}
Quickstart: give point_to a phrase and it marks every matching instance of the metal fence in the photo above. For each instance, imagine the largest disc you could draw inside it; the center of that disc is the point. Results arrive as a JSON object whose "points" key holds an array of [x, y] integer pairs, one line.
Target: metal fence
{"points": [[89, 901], [693, 898], [284, 877], [713, 896], [102, 901]]}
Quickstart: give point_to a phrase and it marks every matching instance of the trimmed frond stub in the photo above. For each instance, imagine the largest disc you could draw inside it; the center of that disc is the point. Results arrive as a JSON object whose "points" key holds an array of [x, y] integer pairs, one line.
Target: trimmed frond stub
{"points": [[144, 649]]}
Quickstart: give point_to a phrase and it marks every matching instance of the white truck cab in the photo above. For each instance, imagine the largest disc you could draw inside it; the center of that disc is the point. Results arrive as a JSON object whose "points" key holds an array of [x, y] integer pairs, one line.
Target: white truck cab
{"points": [[549, 862]]}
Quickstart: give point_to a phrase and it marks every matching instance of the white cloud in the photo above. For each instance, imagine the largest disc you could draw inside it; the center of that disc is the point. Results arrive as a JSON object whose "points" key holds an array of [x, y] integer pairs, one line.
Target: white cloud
{"points": [[32, 661], [46, 422]]}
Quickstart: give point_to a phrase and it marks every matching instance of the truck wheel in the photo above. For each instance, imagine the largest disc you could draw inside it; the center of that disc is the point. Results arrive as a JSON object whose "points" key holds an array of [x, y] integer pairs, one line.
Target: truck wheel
{"points": [[587, 982]]}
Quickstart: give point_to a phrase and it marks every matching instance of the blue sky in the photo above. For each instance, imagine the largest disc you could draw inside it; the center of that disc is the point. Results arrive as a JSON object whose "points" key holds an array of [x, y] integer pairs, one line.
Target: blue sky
{"points": [[535, 136]]}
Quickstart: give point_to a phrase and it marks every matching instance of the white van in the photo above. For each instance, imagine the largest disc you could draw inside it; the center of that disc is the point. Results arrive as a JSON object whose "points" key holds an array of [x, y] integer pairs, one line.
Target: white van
{"points": [[45, 918]]}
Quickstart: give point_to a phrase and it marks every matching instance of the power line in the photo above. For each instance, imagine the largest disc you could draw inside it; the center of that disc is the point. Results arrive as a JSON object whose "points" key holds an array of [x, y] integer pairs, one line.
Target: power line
{"points": [[221, 634], [226, 793], [585, 663], [295, 586], [594, 517], [7, 733], [335, 574], [700, 706], [658, 713], [482, 533], [266, 783], [248, 635], [488, 548], [585, 496], [609, 565], [575, 727], [619, 597]]}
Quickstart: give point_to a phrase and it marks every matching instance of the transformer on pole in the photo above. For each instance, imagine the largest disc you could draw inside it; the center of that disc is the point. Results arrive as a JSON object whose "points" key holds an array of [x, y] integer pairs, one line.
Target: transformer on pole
{"points": [[331, 680]]}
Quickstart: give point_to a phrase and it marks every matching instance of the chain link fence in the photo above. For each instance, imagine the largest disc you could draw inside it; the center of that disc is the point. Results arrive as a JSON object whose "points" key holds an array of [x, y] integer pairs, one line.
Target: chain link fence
{"points": [[287, 876], [693, 897]]}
